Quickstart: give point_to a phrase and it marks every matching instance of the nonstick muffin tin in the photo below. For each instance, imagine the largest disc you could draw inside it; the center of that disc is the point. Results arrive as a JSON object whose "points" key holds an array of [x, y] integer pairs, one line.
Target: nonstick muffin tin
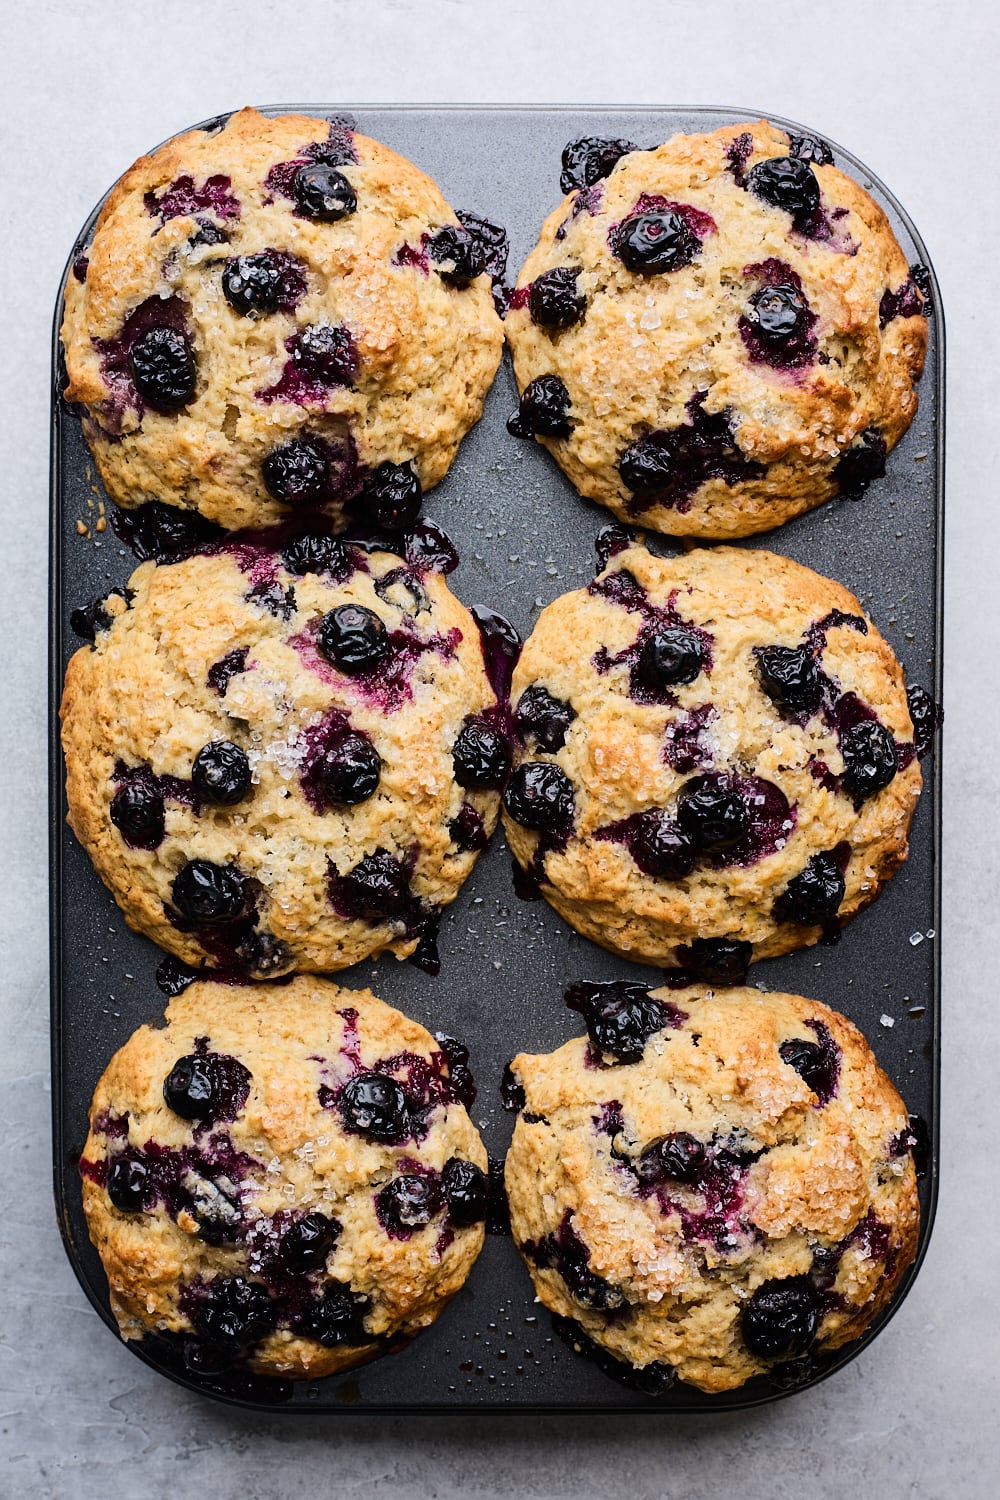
{"points": [[524, 536]]}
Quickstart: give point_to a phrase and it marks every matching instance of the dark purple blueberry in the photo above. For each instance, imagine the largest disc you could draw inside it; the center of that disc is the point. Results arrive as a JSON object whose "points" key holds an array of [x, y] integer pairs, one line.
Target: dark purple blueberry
{"points": [[466, 1191], [296, 471], [221, 773], [649, 464], [859, 466], [128, 1183], [492, 242], [460, 1079], [785, 182], [163, 368], [321, 192], [712, 815], [916, 1139], [407, 1203], [927, 718], [254, 283], [543, 410], [620, 1017], [673, 1158], [540, 796], [810, 148], [542, 718], [588, 159], [221, 673], [814, 895], [376, 887], [352, 638], [90, 619], [307, 1243], [235, 1311], [810, 1062], [459, 252], [653, 243], [717, 960], [164, 532], [373, 1104], [137, 811], [781, 1318], [316, 554], [391, 497], [658, 846], [501, 647], [480, 757], [205, 893], [325, 355], [336, 1318], [173, 976], [512, 1095], [264, 954], [671, 657], [218, 1217], [349, 771], [790, 677], [467, 829], [870, 759], [554, 301], [189, 1088], [611, 540], [776, 313]]}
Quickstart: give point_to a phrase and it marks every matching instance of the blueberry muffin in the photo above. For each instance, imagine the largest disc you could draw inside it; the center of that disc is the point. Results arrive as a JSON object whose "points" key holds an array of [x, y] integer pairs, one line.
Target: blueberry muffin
{"points": [[718, 334], [284, 758], [711, 1185], [283, 1178], [716, 759], [279, 314]]}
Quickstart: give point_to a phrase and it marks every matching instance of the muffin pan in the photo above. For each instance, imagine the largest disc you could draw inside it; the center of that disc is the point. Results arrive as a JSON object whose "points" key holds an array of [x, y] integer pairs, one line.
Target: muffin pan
{"points": [[524, 536]]}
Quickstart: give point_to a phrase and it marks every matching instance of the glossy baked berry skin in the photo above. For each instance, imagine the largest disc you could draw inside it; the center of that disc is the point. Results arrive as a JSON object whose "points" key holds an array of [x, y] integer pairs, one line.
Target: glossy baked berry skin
{"points": [[590, 158], [128, 1183], [307, 1243], [542, 718], [466, 1192], [349, 771], [321, 192], [407, 1203], [658, 846], [785, 182], [221, 773], [808, 1061], [316, 554], [711, 815], [776, 313], [540, 796], [235, 1311], [377, 887], [480, 757], [543, 410], [648, 465], [620, 1017], [206, 893], [374, 1105], [554, 301], [325, 355], [860, 466], [296, 472], [671, 658], [458, 254], [673, 1158], [650, 244], [138, 812], [870, 759], [253, 283], [335, 1318], [790, 678], [927, 718], [717, 960], [815, 894], [391, 497], [353, 639], [780, 1319], [163, 369], [189, 1088]]}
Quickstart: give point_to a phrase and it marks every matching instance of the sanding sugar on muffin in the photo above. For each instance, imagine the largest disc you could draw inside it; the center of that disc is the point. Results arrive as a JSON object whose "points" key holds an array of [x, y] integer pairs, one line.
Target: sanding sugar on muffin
{"points": [[711, 1186], [280, 314], [283, 756], [283, 1178], [716, 758], [717, 334]]}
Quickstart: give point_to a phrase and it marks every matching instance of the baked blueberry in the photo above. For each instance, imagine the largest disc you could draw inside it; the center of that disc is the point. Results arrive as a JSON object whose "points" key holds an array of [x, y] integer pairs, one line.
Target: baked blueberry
{"points": [[316, 554], [352, 638], [235, 1311], [296, 471], [325, 355], [307, 1243], [261, 283], [205, 893], [165, 533], [776, 313], [790, 677], [815, 1062], [221, 773], [461, 1083], [652, 243], [458, 254], [671, 657], [323, 193], [128, 1183], [675, 1158], [543, 718], [589, 158], [658, 846], [711, 814], [555, 301], [138, 812], [407, 1203], [543, 410], [392, 496], [927, 718], [189, 1088], [785, 182], [539, 796], [90, 619], [337, 1317], [870, 759], [860, 465], [349, 771], [163, 368], [481, 757], [717, 960], [620, 1017], [376, 887], [648, 465], [466, 1191], [374, 1104], [815, 894], [780, 1319]]}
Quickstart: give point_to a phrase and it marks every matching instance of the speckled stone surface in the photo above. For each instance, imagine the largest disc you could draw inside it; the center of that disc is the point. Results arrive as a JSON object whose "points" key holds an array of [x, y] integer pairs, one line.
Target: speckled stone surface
{"points": [[906, 87]]}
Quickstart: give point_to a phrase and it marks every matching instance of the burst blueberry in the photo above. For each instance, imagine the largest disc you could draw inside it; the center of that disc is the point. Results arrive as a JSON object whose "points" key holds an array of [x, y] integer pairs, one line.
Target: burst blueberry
{"points": [[376, 887], [776, 313], [392, 496], [480, 757], [307, 1243], [679, 1157], [712, 815], [206, 893], [543, 410], [321, 192], [815, 894], [189, 1088], [870, 759], [466, 1191], [539, 796], [296, 471], [373, 1104], [658, 846], [349, 771], [221, 773], [590, 158], [253, 283], [649, 464], [458, 254], [316, 554], [620, 1017], [790, 677], [235, 1311], [785, 182], [781, 1318], [716, 960], [543, 718], [554, 301], [353, 639], [337, 1317], [325, 355], [407, 1203], [163, 368], [671, 657], [861, 465]]}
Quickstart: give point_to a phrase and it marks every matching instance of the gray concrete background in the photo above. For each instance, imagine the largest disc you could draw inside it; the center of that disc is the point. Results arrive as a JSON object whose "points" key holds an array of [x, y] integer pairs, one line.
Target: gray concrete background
{"points": [[911, 89]]}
